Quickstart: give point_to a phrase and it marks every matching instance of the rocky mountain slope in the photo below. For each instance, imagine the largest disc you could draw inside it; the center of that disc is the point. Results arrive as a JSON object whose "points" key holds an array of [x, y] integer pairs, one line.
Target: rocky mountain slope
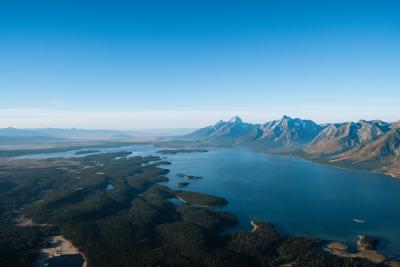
{"points": [[384, 146], [223, 132], [382, 154], [372, 145], [340, 137], [284, 132]]}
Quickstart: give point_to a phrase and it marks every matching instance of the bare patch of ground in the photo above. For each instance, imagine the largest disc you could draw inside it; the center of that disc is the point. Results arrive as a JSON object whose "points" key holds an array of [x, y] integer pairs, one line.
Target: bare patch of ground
{"points": [[340, 249], [57, 246]]}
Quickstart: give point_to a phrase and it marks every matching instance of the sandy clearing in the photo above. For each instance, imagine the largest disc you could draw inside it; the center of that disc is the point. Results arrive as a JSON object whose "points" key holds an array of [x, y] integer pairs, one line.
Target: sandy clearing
{"points": [[57, 246], [340, 250]]}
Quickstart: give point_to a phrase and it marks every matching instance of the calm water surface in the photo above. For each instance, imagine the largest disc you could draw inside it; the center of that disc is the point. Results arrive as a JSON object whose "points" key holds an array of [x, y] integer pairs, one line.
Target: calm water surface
{"points": [[299, 197], [66, 261]]}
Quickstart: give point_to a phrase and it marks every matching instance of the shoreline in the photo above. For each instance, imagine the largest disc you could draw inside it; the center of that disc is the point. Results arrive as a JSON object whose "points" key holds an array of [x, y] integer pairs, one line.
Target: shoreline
{"points": [[58, 246], [371, 253], [195, 205], [255, 226], [315, 161], [326, 163], [341, 250]]}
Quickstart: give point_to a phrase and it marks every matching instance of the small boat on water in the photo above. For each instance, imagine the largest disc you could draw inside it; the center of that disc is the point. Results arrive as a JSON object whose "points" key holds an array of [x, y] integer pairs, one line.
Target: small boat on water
{"points": [[358, 220]]}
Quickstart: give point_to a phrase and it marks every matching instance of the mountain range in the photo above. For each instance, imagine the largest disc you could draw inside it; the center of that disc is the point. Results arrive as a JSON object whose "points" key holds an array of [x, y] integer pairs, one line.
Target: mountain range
{"points": [[16, 136], [372, 145], [224, 132]]}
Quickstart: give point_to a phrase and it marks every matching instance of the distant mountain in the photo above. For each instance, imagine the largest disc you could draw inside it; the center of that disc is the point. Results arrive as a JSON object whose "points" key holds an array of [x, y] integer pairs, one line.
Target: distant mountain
{"points": [[14, 132], [336, 138], [56, 132], [223, 132], [77, 133], [29, 140], [285, 132], [14, 136], [168, 132], [372, 145]]}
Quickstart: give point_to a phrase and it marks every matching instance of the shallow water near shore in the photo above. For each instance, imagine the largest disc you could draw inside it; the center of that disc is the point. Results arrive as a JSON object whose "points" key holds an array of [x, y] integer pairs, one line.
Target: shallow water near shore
{"points": [[299, 197], [75, 260]]}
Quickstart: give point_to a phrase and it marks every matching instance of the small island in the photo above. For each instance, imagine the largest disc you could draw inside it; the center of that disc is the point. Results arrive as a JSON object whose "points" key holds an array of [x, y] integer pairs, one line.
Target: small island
{"points": [[182, 184], [200, 199], [177, 151], [190, 177], [87, 151]]}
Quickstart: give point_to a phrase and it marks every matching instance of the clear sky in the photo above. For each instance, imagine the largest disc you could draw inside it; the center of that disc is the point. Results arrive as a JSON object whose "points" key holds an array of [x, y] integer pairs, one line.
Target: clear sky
{"points": [[125, 65]]}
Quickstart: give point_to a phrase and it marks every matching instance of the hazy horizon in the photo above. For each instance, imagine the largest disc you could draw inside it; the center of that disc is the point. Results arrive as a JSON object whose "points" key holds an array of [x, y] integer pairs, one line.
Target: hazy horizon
{"points": [[85, 120]]}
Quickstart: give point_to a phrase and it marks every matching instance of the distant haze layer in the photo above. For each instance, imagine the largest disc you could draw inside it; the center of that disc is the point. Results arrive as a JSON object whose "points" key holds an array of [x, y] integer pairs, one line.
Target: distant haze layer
{"points": [[164, 119]]}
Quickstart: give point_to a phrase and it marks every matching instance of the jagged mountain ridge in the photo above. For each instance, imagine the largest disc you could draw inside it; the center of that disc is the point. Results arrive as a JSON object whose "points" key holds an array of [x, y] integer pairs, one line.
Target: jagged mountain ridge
{"points": [[289, 132], [375, 143], [223, 132], [283, 132]]}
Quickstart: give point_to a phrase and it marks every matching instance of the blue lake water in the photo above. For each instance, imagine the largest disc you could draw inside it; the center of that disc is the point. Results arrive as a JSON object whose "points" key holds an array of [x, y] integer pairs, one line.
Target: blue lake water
{"points": [[74, 260], [299, 197]]}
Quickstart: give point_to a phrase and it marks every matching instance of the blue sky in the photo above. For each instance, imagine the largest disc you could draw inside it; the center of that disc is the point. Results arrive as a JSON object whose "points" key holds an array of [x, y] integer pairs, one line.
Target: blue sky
{"points": [[125, 65]]}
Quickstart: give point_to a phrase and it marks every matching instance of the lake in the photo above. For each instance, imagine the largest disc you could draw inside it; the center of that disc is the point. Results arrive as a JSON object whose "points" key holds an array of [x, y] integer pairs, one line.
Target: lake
{"points": [[67, 260], [299, 197]]}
